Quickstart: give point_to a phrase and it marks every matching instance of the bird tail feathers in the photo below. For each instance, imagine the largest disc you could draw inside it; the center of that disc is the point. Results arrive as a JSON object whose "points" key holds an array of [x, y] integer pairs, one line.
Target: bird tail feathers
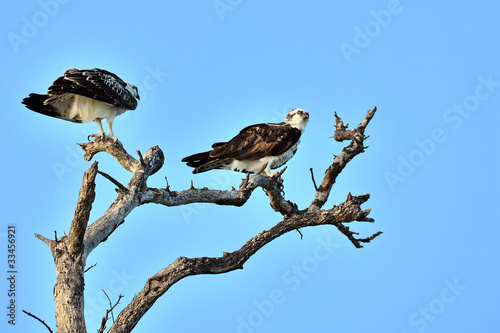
{"points": [[41, 104], [36, 103], [202, 162], [198, 159]]}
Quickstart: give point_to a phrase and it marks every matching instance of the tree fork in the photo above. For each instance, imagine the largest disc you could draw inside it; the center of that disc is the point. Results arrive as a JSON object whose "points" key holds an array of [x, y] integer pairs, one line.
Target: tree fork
{"points": [[70, 252]]}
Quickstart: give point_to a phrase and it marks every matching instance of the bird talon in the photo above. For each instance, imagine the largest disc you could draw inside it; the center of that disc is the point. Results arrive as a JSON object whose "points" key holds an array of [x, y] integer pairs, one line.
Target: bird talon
{"points": [[98, 136]]}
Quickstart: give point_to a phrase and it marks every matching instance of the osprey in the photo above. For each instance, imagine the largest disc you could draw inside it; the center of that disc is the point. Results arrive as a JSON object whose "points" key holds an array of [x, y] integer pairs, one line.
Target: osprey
{"points": [[87, 95], [257, 147]]}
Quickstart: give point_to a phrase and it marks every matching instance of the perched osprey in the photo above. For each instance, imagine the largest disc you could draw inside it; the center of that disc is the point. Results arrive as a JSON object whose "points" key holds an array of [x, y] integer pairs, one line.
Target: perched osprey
{"points": [[87, 95], [267, 146]]}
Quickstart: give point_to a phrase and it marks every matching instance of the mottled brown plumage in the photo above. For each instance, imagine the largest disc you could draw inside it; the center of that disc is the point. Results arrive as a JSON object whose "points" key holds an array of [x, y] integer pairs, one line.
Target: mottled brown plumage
{"points": [[85, 96], [254, 147]]}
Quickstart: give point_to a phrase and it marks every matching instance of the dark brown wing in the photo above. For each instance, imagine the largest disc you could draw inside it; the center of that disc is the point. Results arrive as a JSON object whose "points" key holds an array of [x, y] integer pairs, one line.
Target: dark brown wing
{"points": [[97, 84], [257, 141]]}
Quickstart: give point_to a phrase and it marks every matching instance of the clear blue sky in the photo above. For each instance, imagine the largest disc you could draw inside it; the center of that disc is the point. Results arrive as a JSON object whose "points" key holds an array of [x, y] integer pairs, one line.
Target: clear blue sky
{"points": [[206, 69]]}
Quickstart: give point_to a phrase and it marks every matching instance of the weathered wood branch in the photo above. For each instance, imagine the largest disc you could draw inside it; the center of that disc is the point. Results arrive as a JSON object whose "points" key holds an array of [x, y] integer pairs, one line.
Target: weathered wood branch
{"points": [[272, 185], [70, 262], [108, 311], [119, 185], [126, 200], [114, 148], [48, 242], [70, 252], [82, 211], [357, 137], [182, 267], [40, 320]]}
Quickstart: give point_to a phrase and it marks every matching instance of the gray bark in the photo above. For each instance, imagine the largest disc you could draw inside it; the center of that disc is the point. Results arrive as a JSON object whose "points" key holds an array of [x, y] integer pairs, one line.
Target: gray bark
{"points": [[70, 252]]}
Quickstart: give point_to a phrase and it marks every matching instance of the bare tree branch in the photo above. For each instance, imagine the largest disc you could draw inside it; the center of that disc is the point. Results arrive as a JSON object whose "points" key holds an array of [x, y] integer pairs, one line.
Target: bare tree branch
{"points": [[126, 201], [49, 242], [182, 267], [114, 181], [356, 147], [114, 148], [89, 268], [348, 211], [82, 211], [70, 262], [110, 304], [108, 311], [70, 252], [239, 197], [141, 159], [313, 180], [40, 320]]}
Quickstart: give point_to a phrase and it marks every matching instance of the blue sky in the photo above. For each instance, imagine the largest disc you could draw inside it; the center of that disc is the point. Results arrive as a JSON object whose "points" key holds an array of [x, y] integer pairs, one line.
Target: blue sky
{"points": [[206, 69]]}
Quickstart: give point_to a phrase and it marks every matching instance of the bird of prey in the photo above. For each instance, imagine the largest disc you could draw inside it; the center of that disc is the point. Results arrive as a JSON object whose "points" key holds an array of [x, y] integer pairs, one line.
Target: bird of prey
{"points": [[87, 95], [259, 147]]}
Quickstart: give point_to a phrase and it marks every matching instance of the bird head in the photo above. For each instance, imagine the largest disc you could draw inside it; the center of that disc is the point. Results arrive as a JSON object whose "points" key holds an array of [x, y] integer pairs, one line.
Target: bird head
{"points": [[297, 118], [133, 90]]}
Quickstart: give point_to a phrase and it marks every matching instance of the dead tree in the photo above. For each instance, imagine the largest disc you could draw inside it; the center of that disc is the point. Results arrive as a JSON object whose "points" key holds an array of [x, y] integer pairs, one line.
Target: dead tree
{"points": [[70, 252]]}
